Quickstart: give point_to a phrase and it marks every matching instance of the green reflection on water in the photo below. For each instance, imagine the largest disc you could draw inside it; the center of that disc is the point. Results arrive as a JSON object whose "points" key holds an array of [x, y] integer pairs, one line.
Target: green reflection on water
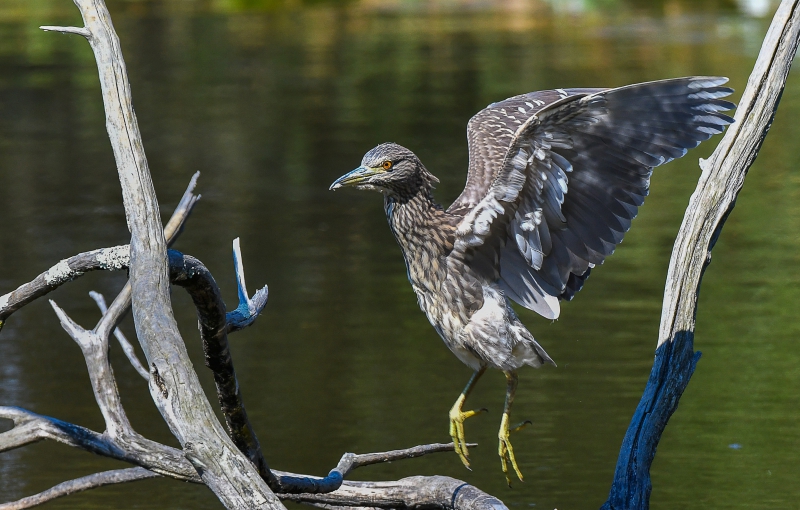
{"points": [[271, 104]]}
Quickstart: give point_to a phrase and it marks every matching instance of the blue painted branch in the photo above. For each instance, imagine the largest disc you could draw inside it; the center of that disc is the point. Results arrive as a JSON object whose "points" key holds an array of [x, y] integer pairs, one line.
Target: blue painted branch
{"points": [[713, 200], [674, 365]]}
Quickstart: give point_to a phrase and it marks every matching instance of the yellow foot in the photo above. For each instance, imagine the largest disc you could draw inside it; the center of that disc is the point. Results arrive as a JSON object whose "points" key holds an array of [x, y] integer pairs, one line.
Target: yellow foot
{"points": [[457, 417], [506, 451]]}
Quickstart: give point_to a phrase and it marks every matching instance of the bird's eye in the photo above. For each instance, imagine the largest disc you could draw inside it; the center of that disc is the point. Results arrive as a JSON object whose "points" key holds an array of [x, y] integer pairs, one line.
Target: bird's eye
{"points": [[387, 165]]}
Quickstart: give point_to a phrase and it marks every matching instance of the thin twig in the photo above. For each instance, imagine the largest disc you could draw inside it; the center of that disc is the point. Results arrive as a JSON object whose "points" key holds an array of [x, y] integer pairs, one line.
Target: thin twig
{"points": [[67, 30], [81, 484], [127, 348], [293, 484], [249, 307]]}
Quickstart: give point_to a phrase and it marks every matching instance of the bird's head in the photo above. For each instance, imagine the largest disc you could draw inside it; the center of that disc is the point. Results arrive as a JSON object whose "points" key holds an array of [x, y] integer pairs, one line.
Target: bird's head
{"points": [[391, 169]]}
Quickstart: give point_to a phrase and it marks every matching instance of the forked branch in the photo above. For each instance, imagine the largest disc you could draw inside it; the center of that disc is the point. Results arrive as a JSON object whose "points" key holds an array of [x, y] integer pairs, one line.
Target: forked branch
{"points": [[173, 384]]}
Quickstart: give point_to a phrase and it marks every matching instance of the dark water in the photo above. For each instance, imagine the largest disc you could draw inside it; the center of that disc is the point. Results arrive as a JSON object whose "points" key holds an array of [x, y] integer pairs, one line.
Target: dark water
{"points": [[272, 102]]}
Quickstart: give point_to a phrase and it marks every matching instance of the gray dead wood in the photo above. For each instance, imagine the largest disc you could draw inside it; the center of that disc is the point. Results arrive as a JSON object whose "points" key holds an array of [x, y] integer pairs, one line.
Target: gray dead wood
{"points": [[721, 180], [126, 445], [173, 382], [303, 484], [412, 492], [127, 347], [79, 485], [417, 492]]}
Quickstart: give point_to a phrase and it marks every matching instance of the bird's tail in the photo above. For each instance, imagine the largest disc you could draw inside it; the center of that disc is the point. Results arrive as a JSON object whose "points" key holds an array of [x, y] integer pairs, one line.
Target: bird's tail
{"points": [[527, 350]]}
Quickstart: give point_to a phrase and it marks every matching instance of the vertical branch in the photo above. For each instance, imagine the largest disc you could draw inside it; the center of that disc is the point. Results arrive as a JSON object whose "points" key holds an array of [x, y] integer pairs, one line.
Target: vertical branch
{"points": [[173, 384], [713, 200]]}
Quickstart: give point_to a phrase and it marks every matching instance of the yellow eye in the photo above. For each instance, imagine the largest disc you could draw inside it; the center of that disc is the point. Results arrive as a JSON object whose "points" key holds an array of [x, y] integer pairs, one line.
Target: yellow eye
{"points": [[387, 165]]}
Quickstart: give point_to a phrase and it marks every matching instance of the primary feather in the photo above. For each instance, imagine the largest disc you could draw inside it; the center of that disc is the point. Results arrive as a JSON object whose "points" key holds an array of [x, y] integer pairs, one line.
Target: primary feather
{"points": [[565, 172]]}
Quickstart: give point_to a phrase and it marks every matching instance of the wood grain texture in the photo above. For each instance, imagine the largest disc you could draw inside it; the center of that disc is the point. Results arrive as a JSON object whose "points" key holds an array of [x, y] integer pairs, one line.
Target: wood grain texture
{"points": [[173, 384]]}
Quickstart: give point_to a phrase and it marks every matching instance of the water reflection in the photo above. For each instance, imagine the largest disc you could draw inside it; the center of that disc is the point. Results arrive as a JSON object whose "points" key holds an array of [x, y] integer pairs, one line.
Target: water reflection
{"points": [[271, 102]]}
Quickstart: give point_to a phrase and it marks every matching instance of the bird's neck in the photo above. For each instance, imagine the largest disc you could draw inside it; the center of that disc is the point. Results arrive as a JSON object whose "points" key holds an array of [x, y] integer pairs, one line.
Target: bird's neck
{"points": [[423, 232]]}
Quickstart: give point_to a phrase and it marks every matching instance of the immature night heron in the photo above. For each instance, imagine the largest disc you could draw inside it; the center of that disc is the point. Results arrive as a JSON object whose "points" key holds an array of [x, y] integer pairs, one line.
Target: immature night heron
{"points": [[555, 178]]}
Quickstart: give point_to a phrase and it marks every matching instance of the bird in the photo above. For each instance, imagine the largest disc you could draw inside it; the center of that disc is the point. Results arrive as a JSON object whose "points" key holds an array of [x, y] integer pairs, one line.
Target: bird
{"points": [[555, 178]]}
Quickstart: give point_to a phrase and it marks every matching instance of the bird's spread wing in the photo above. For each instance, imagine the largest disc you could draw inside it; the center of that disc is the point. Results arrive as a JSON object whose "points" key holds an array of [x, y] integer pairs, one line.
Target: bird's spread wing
{"points": [[557, 176]]}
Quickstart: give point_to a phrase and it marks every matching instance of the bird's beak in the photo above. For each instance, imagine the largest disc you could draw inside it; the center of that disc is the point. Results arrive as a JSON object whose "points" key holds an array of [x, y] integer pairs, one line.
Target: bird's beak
{"points": [[355, 177]]}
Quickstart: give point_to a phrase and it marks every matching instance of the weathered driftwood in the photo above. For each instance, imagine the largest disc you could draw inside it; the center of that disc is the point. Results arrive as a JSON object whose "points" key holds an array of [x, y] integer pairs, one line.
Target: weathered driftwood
{"points": [[117, 440], [713, 200], [127, 347], [126, 445], [412, 492], [173, 384], [81, 484]]}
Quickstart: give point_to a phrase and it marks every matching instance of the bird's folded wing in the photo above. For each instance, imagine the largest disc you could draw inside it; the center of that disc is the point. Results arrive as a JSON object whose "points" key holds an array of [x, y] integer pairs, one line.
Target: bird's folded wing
{"points": [[572, 178]]}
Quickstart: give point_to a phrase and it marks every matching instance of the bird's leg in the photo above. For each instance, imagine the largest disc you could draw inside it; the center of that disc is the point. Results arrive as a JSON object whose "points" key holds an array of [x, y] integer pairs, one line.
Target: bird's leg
{"points": [[457, 417], [504, 449]]}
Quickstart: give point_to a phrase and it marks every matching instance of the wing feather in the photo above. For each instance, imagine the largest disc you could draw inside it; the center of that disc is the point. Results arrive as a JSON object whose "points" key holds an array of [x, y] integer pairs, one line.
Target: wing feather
{"points": [[556, 177]]}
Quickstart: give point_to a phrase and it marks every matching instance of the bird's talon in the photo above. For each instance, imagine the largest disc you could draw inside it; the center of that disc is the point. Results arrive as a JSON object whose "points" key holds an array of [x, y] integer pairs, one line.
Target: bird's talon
{"points": [[457, 417], [522, 426], [506, 451]]}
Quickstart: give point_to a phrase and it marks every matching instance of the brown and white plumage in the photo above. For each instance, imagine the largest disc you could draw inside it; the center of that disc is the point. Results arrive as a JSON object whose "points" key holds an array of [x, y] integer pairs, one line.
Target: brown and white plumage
{"points": [[555, 178]]}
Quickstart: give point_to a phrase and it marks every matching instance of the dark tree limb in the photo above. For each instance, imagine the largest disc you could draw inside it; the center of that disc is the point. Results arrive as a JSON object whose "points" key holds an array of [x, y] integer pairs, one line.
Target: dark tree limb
{"points": [[192, 275], [713, 200]]}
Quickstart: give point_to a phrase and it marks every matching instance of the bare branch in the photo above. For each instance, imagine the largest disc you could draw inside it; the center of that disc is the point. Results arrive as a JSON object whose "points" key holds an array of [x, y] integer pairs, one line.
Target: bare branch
{"points": [[107, 259], [79, 485], [119, 307], [713, 200], [127, 348], [67, 30], [30, 427], [297, 484], [413, 492], [119, 434], [173, 383]]}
